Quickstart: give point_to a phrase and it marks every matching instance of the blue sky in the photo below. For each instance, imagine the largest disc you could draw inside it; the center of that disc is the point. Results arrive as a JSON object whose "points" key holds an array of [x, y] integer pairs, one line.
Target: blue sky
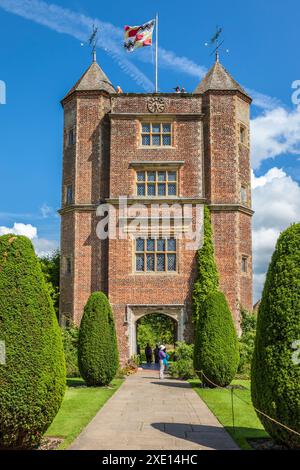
{"points": [[41, 58]]}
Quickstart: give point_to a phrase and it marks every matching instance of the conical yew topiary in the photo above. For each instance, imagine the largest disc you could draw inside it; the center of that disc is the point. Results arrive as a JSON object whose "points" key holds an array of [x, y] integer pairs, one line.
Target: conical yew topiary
{"points": [[98, 357], [32, 373], [275, 373], [216, 351]]}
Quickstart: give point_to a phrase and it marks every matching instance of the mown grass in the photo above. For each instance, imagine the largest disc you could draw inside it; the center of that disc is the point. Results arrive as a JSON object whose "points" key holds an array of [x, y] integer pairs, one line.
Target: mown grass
{"points": [[246, 423], [79, 406]]}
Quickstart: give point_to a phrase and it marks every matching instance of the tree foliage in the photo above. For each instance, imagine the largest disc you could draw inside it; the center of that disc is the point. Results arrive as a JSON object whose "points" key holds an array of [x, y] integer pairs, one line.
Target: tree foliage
{"points": [[70, 340], [32, 382], [275, 377], [155, 329], [98, 357], [50, 267], [208, 279], [246, 341], [216, 344]]}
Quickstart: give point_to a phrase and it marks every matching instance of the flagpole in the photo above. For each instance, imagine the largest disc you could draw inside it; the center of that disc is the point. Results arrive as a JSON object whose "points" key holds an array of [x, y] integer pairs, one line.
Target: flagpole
{"points": [[156, 55]]}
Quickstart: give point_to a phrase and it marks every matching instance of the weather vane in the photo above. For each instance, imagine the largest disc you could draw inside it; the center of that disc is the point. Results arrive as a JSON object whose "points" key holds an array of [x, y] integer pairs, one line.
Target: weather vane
{"points": [[215, 40], [93, 42]]}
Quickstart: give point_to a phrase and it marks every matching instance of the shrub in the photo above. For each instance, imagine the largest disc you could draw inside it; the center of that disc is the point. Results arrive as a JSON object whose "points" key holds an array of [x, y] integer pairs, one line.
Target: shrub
{"points": [[98, 357], [32, 383], [275, 378], [171, 353], [246, 342], [208, 279], [183, 368], [70, 340], [130, 368], [216, 343]]}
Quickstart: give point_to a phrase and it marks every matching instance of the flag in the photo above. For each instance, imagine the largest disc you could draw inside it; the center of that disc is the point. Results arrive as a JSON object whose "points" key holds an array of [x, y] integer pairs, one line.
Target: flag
{"points": [[138, 36]]}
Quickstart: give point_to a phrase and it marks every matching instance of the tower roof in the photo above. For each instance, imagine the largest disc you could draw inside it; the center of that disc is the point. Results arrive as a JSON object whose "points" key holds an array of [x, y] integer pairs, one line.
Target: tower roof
{"points": [[93, 79], [217, 78]]}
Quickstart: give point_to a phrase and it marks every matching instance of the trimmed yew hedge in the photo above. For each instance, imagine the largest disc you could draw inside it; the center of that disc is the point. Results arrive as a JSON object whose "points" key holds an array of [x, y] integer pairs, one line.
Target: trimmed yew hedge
{"points": [[275, 377], [98, 357], [216, 344], [32, 382]]}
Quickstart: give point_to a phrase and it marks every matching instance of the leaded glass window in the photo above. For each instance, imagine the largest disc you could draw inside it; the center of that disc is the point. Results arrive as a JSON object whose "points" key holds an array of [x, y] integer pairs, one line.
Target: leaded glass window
{"points": [[156, 134], [156, 183], [155, 255]]}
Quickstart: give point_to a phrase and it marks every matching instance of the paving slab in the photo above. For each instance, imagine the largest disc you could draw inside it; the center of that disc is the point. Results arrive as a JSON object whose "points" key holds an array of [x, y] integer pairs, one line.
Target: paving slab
{"points": [[147, 413]]}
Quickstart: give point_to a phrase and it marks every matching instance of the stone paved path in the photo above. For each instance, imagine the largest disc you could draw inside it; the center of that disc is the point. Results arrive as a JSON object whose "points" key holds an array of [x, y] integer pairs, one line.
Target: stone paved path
{"points": [[146, 413]]}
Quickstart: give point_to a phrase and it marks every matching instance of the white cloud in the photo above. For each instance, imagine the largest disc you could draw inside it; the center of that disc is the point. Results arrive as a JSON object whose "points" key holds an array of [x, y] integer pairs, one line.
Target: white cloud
{"points": [[263, 101], [20, 229], [276, 201], [169, 59], [276, 132], [43, 247]]}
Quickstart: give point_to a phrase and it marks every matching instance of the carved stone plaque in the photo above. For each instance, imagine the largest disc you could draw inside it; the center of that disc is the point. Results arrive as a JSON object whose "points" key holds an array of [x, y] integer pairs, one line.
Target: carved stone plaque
{"points": [[156, 105]]}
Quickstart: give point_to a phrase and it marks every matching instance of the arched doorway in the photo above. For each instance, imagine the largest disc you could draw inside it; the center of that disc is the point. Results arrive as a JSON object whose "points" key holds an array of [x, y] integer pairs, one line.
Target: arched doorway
{"points": [[136, 312], [155, 329]]}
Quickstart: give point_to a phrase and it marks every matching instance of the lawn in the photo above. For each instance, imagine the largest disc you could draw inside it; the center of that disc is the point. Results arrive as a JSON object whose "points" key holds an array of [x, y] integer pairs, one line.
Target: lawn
{"points": [[247, 425], [79, 406]]}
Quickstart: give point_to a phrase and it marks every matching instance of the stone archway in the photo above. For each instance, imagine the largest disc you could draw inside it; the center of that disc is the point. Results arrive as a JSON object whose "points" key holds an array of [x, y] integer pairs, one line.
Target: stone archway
{"points": [[135, 312]]}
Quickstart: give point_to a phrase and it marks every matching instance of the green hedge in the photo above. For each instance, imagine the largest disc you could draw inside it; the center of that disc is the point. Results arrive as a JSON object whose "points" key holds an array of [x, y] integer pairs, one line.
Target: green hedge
{"points": [[70, 336], [216, 343], [98, 357], [32, 383], [208, 278], [183, 368], [275, 378]]}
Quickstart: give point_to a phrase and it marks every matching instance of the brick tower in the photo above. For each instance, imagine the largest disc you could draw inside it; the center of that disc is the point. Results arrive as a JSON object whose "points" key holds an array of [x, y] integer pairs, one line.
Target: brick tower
{"points": [[166, 148], [226, 108]]}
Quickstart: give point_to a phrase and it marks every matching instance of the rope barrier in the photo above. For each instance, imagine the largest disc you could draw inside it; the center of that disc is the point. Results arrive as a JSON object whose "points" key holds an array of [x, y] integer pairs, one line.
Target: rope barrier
{"points": [[247, 403]]}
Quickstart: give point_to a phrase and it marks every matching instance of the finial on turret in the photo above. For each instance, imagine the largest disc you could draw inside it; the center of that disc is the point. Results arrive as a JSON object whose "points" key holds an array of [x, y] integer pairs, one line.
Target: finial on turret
{"points": [[93, 42]]}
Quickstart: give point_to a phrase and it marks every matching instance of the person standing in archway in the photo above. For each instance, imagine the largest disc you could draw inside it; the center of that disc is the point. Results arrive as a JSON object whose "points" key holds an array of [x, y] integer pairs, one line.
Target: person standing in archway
{"points": [[148, 354], [162, 357], [156, 356]]}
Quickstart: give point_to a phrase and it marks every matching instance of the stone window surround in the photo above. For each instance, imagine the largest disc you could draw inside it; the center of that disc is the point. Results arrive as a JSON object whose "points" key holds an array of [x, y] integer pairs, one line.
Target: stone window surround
{"points": [[155, 120], [68, 132], [244, 194], [156, 182], [245, 264], [155, 253], [243, 128], [166, 165], [69, 194]]}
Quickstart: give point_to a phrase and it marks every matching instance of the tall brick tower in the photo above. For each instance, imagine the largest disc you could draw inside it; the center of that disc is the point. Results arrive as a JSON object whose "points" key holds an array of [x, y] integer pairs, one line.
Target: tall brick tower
{"points": [[166, 148], [85, 183], [226, 107]]}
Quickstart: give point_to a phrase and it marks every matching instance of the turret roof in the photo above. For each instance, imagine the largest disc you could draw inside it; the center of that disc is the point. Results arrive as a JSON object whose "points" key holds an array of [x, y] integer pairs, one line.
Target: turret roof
{"points": [[93, 79]]}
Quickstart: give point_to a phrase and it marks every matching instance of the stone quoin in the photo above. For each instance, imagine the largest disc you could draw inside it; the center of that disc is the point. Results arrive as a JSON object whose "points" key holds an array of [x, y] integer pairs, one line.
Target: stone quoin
{"points": [[166, 147]]}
